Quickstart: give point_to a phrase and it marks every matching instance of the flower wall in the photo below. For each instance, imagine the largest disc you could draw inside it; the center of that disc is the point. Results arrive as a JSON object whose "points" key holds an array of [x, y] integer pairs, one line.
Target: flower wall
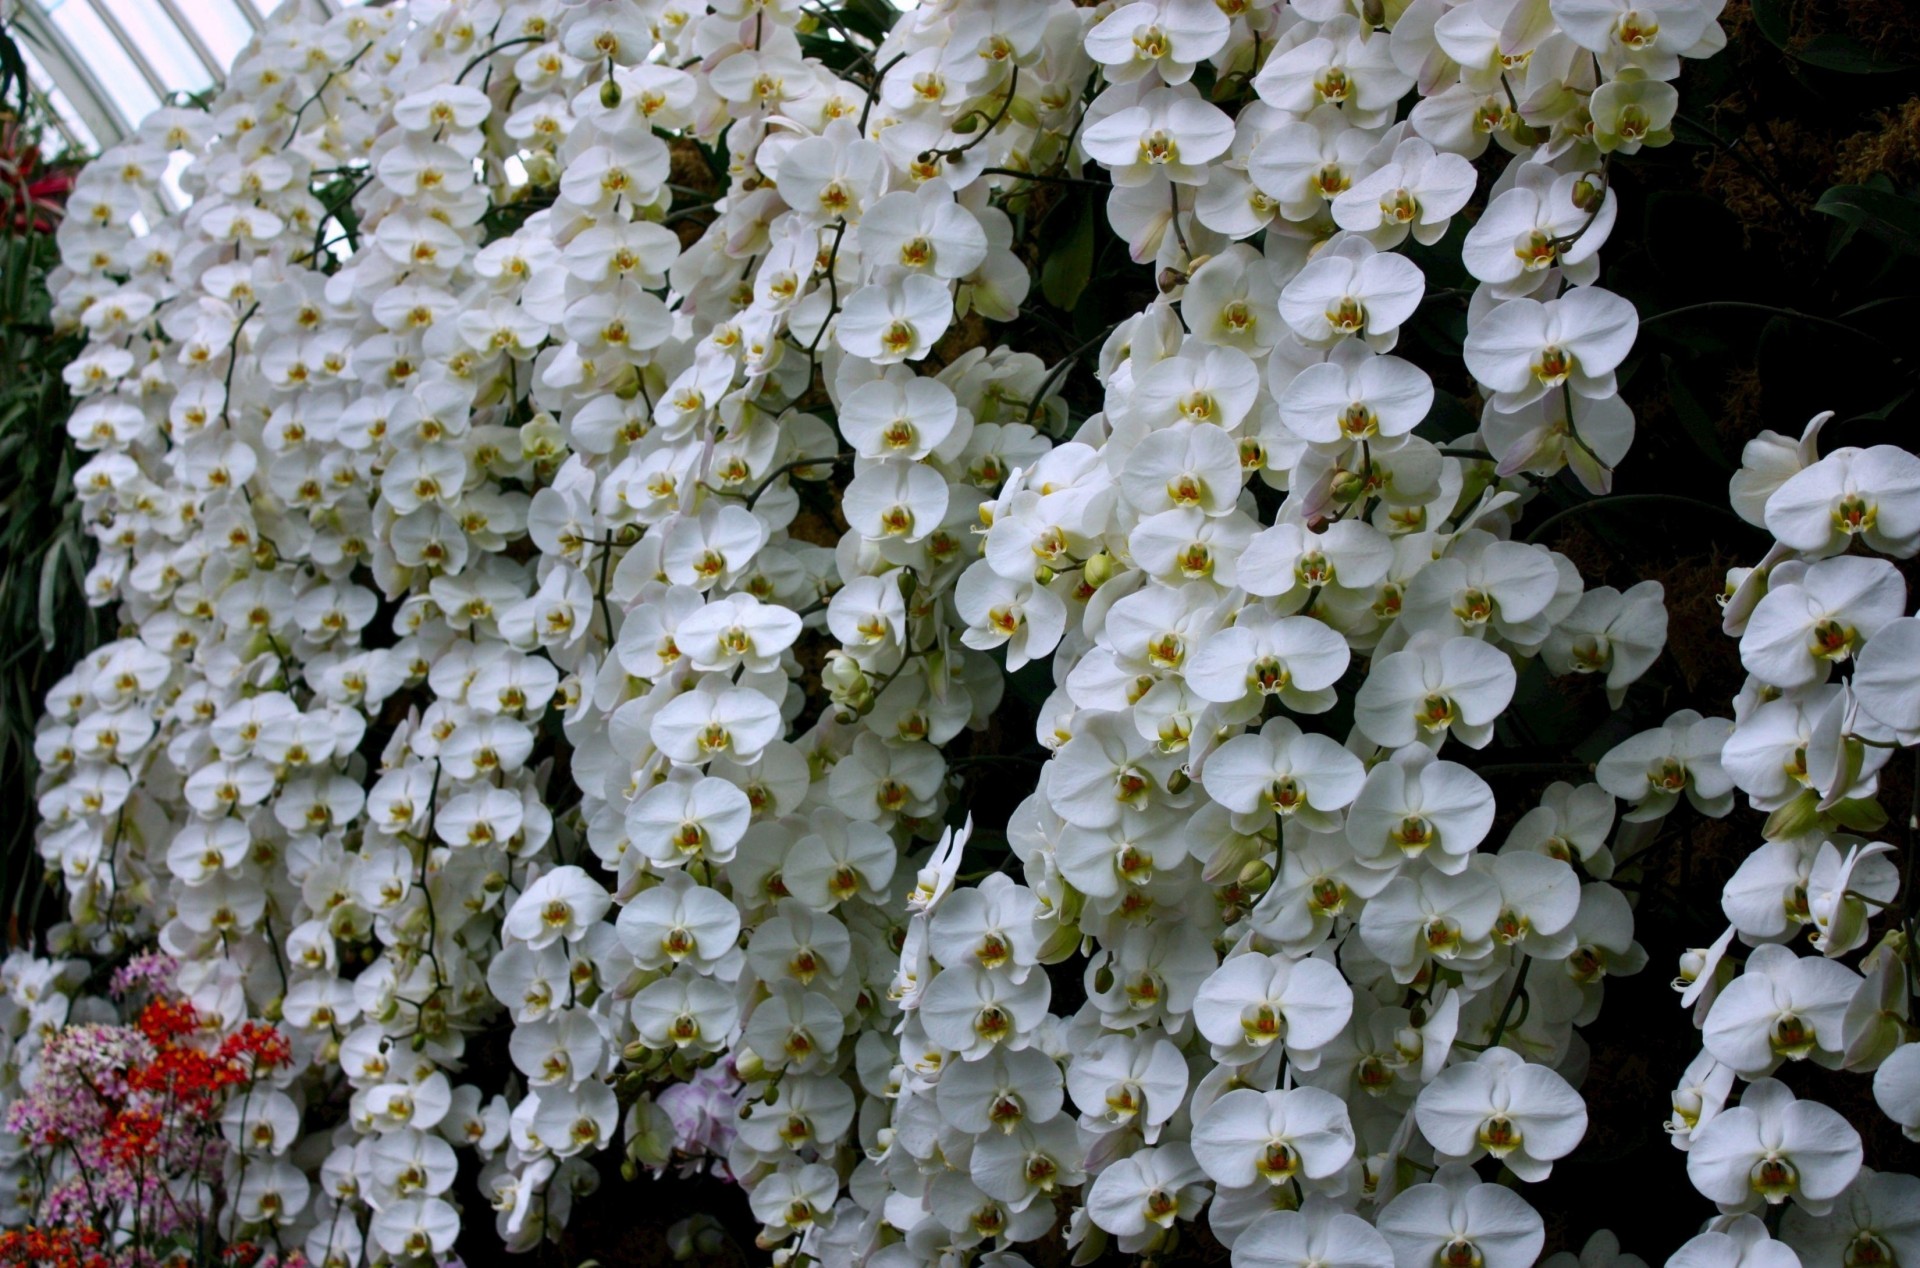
{"points": [[578, 534]]}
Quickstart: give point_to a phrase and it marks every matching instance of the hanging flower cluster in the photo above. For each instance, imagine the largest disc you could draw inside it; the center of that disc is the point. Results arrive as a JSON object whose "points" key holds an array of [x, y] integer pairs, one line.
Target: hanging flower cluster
{"points": [[38, 998], [1301, 967], [1829, 702], [490, 670]]}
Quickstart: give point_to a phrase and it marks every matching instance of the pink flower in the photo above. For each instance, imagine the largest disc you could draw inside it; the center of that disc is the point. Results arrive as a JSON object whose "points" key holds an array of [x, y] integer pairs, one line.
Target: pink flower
{"points": [[703, 1111], [152, 970]]}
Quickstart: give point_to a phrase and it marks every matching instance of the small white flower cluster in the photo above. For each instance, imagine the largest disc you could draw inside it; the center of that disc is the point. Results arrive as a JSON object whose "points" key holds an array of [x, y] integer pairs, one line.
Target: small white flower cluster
{"points": [[38, 996], [1830, 701], [483, 673]]}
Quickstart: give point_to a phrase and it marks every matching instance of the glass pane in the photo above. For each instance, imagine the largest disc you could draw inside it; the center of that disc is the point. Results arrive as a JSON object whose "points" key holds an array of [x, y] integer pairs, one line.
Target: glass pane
{"points": [[160, 42], [133, 98], [223, 28], [70, 121]]}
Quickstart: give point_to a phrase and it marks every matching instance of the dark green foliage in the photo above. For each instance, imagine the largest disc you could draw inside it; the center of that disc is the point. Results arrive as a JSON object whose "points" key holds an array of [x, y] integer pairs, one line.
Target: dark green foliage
{"points": [[45, 624]]}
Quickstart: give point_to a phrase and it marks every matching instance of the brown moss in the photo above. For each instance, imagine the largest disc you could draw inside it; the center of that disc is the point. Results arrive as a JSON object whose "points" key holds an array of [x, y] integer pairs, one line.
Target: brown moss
{"points": [[963, 336], [1736, 18], [1768, 174], [1712, 850], [1707, 659], [1889, 27], [690, 229], [688, 167], [816, 529], [1742, 414], [1588, 553], [1892, 148], [1770, 168]]}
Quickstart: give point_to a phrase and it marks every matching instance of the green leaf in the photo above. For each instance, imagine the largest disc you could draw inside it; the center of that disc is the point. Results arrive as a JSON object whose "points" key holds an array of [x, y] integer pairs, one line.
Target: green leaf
{"points": [[1846, 55], [1773, 21], [1447, 421], [1068, 268], [1543, 716], [1693, 417], [1892, 218], [1861, 814], [49, 596], [1827, 50], [871, 18], [1885, 411], [1800, 815]]}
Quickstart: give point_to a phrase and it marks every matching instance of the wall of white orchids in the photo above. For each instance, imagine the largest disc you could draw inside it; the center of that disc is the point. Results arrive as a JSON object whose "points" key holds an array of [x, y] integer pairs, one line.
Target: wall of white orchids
{"points": [[479, 670]]}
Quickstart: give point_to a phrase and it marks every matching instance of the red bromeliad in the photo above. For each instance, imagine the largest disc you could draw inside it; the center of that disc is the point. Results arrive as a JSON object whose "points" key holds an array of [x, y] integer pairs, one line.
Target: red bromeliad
{"points": [[34, 197]]}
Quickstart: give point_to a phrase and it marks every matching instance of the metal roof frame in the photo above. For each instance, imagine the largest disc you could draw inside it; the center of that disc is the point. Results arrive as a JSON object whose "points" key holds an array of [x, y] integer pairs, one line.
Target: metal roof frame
{"points": [[70, 74], [80, 81]]}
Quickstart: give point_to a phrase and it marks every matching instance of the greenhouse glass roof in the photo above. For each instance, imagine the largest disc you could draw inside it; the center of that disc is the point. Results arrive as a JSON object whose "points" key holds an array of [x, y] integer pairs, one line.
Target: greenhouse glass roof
{"points": [[104, 64]]}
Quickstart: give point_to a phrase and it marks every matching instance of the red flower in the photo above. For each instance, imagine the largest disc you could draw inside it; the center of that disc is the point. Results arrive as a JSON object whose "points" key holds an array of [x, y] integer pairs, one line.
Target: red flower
{"points": [[133, 1134], [33, 202], [34, 1247]]}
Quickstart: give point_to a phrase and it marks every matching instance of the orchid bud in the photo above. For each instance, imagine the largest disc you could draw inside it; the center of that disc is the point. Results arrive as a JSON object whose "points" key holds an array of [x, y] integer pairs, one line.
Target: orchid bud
{"points": [[1347, 487]]}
